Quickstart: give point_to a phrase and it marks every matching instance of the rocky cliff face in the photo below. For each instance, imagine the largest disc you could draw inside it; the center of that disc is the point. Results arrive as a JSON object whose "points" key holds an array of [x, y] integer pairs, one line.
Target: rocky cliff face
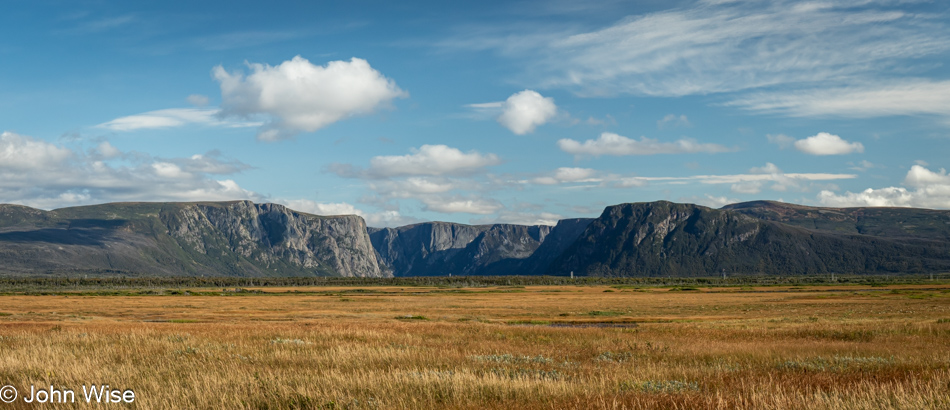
{"points": [[213, 238], [440, 248], [561, 237], [273, 235], [663, 238], [874, 221], [241, 238]]}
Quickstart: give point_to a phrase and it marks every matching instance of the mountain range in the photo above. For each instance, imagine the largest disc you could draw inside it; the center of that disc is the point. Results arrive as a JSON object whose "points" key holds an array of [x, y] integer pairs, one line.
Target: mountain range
{"points": [[241, 238]]}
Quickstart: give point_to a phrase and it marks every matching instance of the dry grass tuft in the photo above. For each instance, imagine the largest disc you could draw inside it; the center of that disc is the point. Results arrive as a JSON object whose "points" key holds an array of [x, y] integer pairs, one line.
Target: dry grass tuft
{"points": [[540, 347]]}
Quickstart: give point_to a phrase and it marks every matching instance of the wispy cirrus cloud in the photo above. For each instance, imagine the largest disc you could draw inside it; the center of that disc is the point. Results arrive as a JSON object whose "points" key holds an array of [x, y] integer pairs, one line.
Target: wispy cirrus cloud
{"points": [[175, 117], [617, 145], [747, 183], [790, 57], [916, 96]]}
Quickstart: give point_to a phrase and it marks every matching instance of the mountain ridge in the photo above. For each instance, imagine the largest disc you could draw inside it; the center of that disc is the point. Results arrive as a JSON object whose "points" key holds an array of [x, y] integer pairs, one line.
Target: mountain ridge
{"points": [[233, 238], [661, 238]]}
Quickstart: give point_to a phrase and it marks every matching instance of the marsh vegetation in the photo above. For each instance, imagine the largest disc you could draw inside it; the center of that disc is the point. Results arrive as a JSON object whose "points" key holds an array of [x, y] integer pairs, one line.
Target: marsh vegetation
{"points": [[836, 347]]}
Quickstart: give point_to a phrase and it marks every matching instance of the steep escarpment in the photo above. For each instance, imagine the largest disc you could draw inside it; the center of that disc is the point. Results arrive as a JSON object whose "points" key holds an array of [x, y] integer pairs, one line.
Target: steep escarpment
{"points": [[875, 221], [237, 238], [441, 248], [663, 238], [562, 236], [241, 238]]}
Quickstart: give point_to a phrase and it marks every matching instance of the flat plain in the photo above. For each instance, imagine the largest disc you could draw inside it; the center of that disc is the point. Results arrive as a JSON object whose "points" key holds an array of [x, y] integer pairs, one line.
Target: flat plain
{"points": [[775, 347]]}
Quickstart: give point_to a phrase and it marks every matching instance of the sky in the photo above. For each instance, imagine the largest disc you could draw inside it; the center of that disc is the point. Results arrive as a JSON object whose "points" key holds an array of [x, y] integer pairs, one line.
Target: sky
{"points": [[475, 112]]}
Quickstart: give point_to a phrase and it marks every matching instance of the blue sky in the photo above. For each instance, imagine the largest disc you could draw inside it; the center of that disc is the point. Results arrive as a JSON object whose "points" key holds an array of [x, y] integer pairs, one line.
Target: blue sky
{"points": [[517, 112]]}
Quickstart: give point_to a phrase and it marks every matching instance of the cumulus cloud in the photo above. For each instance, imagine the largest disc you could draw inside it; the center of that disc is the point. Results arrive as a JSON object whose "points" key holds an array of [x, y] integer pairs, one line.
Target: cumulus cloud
{"points": [[824, 143], [568, 175], [174, 117], [210, 163], [523, 111], [428, 160], [413, 186], [460, 204], [863, 165], [105, 150], [18, 152], [748, 187], [922, 188], [299, 96], [37, 173], [612, 144], [443, 179], [768, 168]]}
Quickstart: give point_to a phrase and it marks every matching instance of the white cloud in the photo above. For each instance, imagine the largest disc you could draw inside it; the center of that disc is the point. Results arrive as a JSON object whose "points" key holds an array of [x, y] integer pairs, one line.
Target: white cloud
{"points": [[173, 117], [672, 120], [714, 201], [768, 173], [630, 182], [198, 100], [427, 160], [751, 183], [748, 187], [863, 165], [414, 186], [714, 47], [299, 96], [24, 153], [107, 150], [209, 163], [612, 144], [708, 200], [443, 179], [523, 111], [568, 175], [887, 98], [458, 204], [920, 177], [389, 218], [768, 168], [824, 143], [37, 173], [318, 208], [928, 189], [168, 170], [521, 218]]}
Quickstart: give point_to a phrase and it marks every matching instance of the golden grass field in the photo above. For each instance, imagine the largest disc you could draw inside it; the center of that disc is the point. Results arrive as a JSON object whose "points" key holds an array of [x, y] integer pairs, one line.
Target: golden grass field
{"points": [[845, 347]]}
